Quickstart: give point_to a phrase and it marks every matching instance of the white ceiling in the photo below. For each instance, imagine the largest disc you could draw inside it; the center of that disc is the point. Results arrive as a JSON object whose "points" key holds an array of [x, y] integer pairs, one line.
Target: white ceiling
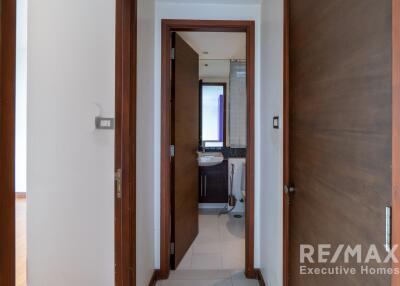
{"points": [[227, 2], [214, 69], [218, 45]]}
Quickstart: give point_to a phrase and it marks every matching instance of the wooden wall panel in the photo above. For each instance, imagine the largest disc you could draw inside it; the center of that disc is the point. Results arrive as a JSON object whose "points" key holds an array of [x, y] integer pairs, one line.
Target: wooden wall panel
{"points": [[7, 135]]}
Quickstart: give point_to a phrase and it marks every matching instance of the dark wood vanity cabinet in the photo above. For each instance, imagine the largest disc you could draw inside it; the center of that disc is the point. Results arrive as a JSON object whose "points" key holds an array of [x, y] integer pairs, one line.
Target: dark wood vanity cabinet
{"points": [[214, 183]]}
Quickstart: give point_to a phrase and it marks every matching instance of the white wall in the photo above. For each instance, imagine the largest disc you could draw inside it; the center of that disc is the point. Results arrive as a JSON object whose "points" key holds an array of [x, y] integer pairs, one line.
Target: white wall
{"points": [[145, 143], [203, 11], [21, 97], [271, 139], [71, 64]]}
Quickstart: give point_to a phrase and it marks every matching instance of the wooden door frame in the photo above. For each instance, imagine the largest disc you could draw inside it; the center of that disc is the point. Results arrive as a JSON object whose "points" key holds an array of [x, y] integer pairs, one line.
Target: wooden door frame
{"points": [[125, 141], [395, 137], [7, 140], [169, 26]]}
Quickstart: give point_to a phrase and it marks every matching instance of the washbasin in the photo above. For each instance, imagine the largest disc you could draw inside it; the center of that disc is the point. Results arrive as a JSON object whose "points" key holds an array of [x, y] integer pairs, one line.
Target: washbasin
{"points": [[208, 159]]}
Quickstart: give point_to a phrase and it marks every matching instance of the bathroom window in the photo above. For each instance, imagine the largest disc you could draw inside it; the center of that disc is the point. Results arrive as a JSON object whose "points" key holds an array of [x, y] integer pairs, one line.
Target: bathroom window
{"points": [[212, 102]]}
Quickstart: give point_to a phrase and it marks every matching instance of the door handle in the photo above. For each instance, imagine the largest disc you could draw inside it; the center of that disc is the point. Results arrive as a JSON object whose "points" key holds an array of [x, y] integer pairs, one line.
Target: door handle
{"points": [[201, 185], [289, 189], [205, 183], [118, 183], [388, 232]]}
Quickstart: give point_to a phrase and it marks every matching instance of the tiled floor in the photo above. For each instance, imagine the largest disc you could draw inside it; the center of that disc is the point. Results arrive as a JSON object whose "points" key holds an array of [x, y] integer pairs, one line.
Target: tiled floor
{"points": [[216, 257], [219, 245], [207, 278], [218, 249]]}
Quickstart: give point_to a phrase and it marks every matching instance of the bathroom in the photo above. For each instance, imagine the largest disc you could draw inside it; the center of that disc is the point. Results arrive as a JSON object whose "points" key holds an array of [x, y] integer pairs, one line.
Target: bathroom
{"points": [[223, 135], [221, 155]]}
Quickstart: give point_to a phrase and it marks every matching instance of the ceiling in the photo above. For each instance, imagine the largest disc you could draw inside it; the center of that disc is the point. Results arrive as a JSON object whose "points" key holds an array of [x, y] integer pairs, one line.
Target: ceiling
{"points": [[214, 69], [218, 45]]}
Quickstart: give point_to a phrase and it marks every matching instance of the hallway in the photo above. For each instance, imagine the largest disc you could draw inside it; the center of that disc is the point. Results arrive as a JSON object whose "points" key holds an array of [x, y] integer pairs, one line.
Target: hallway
{"points": [[207, 278], [219, 244], [216, 257]]}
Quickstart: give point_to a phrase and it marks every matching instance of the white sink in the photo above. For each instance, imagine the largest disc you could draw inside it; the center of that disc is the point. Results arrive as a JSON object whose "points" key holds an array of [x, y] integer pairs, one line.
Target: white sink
{"points": [[208, 159]]}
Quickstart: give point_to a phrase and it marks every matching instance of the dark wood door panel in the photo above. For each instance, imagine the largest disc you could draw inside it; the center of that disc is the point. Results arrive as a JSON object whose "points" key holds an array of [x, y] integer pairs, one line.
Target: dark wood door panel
{"points": [[214, 185], [7, 135], [185, 126], [340, 129]]}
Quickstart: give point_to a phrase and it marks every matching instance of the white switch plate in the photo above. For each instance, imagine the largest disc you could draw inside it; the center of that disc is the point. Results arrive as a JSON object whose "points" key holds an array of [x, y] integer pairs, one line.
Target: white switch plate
{"points": [[276, 122], [104, 123]]}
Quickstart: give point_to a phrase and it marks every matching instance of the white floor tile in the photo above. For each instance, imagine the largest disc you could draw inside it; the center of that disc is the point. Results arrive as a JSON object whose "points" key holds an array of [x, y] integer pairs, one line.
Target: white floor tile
{"points": [[234, 248], [232, 262], [245, 282], [238, 274], [186, 262], [206, 261], [208, 236], [218, 249], [207, 248], [199, 275], [220, 282], [208, 220]]}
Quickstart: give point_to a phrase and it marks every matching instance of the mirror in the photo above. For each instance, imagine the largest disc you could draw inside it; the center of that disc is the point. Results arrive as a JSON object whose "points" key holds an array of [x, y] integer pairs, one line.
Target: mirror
{"points": [[223, 103]]}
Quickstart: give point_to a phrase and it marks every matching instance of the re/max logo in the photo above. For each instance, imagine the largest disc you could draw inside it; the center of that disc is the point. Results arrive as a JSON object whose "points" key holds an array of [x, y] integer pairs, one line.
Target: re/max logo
{"points": [[325, 253]]}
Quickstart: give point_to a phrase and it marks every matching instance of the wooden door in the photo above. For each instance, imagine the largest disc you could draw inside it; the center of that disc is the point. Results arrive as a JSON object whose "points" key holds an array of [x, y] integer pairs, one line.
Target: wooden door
{"points": [[185, 138], [340, 131], [7, 135]]}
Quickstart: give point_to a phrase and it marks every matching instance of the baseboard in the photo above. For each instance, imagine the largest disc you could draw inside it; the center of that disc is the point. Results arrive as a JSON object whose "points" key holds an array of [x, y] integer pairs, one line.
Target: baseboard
{"points": [[212, 206], [260, 277], [154, 278], [20, 195]]}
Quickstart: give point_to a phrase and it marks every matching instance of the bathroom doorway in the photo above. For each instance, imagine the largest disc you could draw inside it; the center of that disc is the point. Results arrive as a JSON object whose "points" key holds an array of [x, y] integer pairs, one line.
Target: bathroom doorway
{"points": [[207, 164]]}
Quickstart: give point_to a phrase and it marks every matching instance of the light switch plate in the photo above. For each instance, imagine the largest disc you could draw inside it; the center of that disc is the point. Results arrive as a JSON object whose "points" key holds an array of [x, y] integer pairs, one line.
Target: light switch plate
{"points": [[276, 122], [104, 123]]}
